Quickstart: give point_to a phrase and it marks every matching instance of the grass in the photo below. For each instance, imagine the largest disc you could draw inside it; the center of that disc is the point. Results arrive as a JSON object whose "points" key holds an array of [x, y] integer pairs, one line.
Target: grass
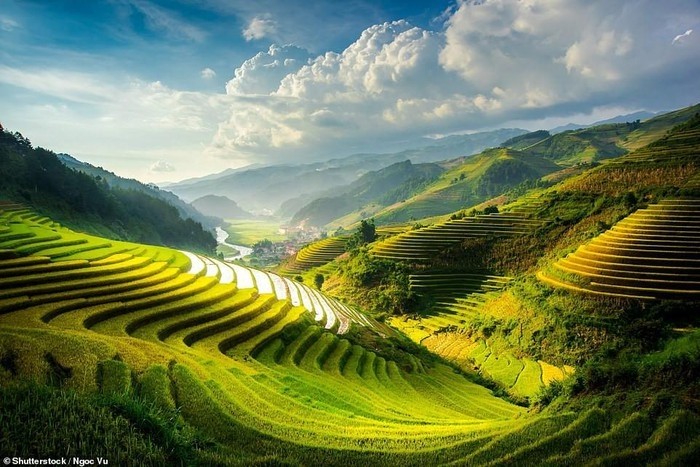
{"points": [[249, 232], [675, 434], [468, 181], [589, 424]]}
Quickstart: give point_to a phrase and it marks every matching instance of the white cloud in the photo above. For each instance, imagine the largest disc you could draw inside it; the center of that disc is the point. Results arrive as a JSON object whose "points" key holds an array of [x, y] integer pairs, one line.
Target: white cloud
{"points": [[116, 122], [259, 28], [283, 106], [569, 50], [207, 73], [263, 73], [162, 166], [8, 24], [495, 60], [682, 37], [63, 84], [164, 20], [136, 102]]}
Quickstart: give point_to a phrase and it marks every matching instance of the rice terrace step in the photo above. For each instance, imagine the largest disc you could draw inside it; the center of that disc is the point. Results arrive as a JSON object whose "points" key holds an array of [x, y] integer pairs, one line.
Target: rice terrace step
{"points": [[652, 254]]}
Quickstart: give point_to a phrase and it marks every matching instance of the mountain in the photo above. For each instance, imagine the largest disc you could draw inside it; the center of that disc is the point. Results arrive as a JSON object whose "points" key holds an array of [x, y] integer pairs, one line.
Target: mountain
{"points": [[641, 115], [220, 206], [585, 145], [452, 146], [607, 140], [266, 189], [529, 156], [213, 176], [466, 181], [526, 140], [382, 187], [186, 211]]}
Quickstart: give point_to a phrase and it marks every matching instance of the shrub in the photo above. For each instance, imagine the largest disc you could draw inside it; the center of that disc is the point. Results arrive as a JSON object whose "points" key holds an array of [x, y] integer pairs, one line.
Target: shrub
{"points": [[319, 280]]}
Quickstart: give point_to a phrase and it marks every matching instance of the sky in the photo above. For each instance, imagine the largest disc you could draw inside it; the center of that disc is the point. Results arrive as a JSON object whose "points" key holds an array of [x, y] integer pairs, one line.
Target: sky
{"points": [[166, 90]]}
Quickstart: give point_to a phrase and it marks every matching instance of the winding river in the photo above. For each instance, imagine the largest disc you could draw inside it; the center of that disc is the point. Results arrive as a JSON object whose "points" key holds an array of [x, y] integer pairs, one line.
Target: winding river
{"points": [[222, 235]]}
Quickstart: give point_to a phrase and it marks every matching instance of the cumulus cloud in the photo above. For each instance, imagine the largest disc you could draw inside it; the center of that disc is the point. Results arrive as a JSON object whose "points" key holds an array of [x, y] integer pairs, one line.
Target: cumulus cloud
{"points": [[207, 73], [162, 166], [263, 73], [494, 60], [259, 28], [284, 101], [682, 37]]}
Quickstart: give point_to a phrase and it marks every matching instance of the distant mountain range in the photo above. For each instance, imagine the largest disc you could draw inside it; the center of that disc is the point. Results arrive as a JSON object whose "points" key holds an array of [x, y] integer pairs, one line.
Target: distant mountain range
{"points": [[387, 187], [382, 188], [266, 189], [467, 181], [220, 206]]}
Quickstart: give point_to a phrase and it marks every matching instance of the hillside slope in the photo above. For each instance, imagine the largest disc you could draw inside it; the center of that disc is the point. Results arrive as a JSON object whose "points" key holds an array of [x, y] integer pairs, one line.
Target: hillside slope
{"points": [[380, 188], [591, 280], [115, 181], [188, 360], [466, 182], [37, 176], [221, 207], [200, 362], [607, 140], [235, 350]]}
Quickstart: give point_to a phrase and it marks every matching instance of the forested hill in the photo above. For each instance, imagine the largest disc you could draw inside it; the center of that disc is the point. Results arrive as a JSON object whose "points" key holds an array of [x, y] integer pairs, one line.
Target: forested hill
{"points": [[115, 181], [36, 177]]}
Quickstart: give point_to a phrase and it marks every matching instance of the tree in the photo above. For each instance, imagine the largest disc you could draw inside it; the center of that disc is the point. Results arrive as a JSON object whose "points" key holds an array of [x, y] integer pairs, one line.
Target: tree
{"points": [[367, 231], [319, 280], [262, 245]]}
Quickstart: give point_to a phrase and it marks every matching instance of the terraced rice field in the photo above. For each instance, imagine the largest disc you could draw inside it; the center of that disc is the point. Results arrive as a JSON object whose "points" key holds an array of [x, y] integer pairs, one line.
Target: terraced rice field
{"points": [[520, 376], [456, 299], [186, 311], [133, 271], [316, 254], [390, 230], [252, 369], [672, 148], [426, 242], [455, 292], [652, 254], [526, 205]]}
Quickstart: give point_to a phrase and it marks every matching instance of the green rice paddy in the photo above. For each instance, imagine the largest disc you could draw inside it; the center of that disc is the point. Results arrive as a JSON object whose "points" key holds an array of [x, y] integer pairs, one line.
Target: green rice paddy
{"points": [[257, 366]]}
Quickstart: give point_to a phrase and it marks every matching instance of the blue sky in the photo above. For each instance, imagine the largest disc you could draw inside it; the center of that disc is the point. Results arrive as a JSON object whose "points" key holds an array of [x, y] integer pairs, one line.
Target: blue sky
{"points": [[171, 41], [165, 90]]}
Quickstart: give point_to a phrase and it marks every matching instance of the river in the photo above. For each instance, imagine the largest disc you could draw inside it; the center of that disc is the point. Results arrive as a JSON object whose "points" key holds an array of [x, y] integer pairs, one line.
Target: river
{"points": [[222, 235]]}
